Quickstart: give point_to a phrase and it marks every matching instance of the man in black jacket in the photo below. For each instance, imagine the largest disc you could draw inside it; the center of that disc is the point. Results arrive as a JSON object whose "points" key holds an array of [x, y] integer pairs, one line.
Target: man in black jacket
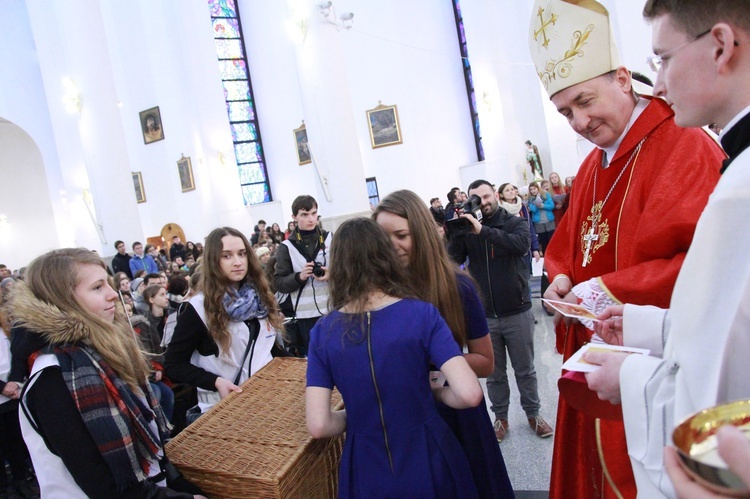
{"points": [[302, 268], [121, 261], [177, 249], [497, 249]]}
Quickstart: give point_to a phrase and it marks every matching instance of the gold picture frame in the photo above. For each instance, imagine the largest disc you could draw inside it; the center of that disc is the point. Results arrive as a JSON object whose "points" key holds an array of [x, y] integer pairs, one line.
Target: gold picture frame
{"points": [[303, 148], [151, 125], [185, 171], [140, 192], [385, 129]]}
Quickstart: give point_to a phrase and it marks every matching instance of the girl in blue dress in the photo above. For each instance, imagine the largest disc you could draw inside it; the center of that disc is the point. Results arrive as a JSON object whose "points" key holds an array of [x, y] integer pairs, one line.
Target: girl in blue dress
{"points": [[376, 347], [420, 248]]}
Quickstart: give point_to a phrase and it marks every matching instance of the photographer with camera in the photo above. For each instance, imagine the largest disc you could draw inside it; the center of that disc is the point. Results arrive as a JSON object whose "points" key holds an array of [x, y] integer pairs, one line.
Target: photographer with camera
{"points": [[301, 268], [496, 247]]}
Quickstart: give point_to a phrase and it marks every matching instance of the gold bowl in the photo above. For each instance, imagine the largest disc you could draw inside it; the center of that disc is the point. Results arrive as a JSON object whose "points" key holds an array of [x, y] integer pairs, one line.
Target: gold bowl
{"points": [[695, 440]]}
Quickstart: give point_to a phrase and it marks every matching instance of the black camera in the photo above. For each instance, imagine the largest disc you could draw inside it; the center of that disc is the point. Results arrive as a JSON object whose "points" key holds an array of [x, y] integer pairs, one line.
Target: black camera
{"points": [[318, 270], [459, 226]]}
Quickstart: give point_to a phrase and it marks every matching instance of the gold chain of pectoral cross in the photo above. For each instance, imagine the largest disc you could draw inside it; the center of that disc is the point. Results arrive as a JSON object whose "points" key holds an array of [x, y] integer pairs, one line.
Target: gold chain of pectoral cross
{"points": [[597, 235]]}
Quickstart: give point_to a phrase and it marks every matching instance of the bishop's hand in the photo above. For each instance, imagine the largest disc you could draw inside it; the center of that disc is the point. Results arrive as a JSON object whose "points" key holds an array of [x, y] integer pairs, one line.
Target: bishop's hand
{"points": [[610, 327]]}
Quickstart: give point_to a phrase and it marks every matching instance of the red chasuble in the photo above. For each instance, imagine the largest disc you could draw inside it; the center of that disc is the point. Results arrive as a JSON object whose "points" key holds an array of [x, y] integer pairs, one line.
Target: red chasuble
{"points": [[636, 248]]}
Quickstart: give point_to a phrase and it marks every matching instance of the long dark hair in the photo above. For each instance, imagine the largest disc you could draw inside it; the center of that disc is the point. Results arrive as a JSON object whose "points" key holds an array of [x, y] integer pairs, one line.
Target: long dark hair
{"points": [[362, 262], [214, 285], [429, 264]]}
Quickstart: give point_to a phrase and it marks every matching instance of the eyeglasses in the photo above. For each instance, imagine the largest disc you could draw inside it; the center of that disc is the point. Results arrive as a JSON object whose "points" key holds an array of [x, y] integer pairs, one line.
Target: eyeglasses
{"points": [[655, 62]]}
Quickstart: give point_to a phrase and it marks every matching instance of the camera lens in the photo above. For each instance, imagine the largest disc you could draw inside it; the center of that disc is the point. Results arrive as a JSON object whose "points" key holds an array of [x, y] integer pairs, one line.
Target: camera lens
{"points": [[318, 271]]}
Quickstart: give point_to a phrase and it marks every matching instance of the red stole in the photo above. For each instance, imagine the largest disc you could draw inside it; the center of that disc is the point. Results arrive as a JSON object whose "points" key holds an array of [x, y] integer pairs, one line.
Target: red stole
{"points": [[646, 227]]}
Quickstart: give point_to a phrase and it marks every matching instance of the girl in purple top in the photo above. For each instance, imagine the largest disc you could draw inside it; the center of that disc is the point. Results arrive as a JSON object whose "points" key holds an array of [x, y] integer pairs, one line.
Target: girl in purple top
{"points": [[376, 347], [420, 248]]}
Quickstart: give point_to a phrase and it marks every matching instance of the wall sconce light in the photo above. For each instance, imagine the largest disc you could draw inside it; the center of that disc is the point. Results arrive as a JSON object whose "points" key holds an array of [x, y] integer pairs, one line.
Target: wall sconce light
{"points": [[296, 25], [296, 28], [71, 96], [328, 11], [487, 99], [325, 8]]}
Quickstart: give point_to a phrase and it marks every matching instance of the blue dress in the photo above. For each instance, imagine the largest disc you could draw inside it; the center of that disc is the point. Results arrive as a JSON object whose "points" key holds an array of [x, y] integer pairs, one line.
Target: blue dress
{"points": [[473, 426], [397, 445]]}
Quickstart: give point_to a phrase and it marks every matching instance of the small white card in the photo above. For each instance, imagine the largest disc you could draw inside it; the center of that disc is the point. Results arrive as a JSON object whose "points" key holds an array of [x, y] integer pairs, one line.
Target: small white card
{"points": [[571, 310], [577, 364]]}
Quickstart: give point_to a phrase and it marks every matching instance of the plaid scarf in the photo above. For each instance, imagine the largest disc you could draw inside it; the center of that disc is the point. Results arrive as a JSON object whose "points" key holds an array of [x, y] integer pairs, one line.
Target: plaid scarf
{"points": [[116, 418]]}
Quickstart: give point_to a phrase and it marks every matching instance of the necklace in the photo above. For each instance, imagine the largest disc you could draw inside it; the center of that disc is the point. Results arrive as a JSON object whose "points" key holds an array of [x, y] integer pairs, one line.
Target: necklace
{"points": [[598, 235]]}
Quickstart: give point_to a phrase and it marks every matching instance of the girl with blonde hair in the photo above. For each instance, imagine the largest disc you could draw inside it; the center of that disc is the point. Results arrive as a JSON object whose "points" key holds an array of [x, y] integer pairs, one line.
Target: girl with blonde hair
{"points": [[414, 236], [559, 192], [90, 419], [226, 331]]}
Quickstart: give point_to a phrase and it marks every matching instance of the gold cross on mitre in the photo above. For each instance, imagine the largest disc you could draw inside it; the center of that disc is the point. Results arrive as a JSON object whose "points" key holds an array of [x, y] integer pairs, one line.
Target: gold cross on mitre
{"points": [[570, 41], [596, 236], [543, 27]]}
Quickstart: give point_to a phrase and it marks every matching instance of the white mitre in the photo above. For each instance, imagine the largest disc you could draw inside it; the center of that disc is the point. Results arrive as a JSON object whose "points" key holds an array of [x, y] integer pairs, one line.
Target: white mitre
{"points": [[571, 41]]}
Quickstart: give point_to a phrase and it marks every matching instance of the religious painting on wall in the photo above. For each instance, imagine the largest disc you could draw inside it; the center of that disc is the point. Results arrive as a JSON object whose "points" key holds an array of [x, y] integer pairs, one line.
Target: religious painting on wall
{"points": [[303, 149], [140, 193], [185, 169], [151, 125], [385, 129]]}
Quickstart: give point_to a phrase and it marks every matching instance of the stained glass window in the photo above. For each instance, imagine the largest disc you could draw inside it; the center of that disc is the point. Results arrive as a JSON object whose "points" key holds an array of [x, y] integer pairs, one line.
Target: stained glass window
{"points": [[469, 79], [236, 90], [372, 192], [238, 93], [226, 28]]}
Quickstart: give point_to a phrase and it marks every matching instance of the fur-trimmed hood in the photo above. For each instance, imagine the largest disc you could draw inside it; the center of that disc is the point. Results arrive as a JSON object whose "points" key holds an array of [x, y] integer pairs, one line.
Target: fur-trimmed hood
{"points": [[37, 316]]}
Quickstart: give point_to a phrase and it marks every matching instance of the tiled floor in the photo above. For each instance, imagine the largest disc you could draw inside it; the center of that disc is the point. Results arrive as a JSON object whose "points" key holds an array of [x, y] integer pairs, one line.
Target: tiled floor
{"points": [[528, 457]]}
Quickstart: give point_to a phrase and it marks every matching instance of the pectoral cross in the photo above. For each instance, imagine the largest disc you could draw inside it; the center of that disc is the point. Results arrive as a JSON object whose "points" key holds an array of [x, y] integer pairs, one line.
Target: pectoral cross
{"points": [[591, 237], [543, 27]]}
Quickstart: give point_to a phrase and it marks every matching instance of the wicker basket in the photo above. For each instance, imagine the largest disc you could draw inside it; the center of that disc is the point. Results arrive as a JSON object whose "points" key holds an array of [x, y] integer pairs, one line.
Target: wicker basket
{"points": [[256, 444]]}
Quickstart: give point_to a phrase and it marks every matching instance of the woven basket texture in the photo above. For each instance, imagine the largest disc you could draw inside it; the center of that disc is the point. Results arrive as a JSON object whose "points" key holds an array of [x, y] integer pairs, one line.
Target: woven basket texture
{"points": [[256, 444]]}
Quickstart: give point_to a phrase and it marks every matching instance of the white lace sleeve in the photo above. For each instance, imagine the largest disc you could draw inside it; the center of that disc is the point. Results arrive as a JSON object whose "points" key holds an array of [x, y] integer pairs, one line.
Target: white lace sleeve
{"points": [[593, 298]]}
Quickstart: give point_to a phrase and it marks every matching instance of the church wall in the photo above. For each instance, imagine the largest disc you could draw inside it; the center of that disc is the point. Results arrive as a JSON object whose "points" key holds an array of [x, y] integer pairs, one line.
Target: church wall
{"points": [[402, 54], [142, 54], [164, 55], [27, 227], [24, 104]]}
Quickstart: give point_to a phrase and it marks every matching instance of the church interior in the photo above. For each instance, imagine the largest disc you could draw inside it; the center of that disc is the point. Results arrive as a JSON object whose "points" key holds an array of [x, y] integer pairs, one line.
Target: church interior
{"points": [[77, 79], [137, 120]]}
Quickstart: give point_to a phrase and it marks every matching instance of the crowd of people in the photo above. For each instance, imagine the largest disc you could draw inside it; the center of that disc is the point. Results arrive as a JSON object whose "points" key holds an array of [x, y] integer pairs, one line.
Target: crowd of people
{"points": [[403, 311]]}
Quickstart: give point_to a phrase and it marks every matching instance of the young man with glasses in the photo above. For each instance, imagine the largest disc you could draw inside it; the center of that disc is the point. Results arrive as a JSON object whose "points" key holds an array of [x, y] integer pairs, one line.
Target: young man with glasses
{"points": [[632, 214], [701, 345]]}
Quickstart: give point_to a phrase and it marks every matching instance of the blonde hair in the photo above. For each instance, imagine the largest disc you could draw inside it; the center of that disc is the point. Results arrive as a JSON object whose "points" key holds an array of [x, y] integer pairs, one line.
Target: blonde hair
{"points": [[52, 278], [539, 191]]}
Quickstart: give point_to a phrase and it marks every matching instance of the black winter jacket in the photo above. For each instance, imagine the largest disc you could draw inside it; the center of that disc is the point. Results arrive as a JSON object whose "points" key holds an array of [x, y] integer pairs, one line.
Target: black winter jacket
{"points": [[121, 263], [498, 262]]}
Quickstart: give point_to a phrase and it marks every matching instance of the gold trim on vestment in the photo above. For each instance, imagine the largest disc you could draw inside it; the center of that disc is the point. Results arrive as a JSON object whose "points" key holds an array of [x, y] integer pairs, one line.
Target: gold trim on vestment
{"points": [[599, 449], [604, 287], [622, 206]]}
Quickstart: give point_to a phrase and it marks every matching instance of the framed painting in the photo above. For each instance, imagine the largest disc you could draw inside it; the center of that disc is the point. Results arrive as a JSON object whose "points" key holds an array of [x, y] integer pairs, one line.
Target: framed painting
{"points": [[384, 127], [185, 169], [140, 193], [151, 125], [303, 149]]}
